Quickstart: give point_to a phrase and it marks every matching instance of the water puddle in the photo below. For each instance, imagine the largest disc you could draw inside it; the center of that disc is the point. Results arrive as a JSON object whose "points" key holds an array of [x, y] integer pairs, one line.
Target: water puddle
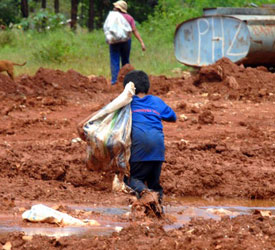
{"points": [[181, 210], [8, 225], [192, 207], [103, 210], [56, 232], [184, 214]]}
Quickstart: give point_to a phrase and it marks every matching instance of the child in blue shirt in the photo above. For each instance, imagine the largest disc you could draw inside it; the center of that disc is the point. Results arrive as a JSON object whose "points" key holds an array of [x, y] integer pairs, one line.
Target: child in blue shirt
{"points": [[147, 149]]}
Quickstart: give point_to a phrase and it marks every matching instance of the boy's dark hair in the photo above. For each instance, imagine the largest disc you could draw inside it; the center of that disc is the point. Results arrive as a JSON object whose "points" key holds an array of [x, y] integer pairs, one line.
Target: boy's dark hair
{"points": [[140, 79]]}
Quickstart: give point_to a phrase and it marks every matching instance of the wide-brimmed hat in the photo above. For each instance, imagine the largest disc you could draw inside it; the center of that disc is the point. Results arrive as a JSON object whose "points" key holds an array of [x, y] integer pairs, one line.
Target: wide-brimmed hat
{"points": [[121, 5]]}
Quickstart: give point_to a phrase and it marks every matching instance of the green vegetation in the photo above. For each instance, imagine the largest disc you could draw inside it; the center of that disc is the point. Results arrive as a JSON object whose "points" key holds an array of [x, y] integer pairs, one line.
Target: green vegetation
{"points": [[9, 11], [42, 20], [87, 53]]}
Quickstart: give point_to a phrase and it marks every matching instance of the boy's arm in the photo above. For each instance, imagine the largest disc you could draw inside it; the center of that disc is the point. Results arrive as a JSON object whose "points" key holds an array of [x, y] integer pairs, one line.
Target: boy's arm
{"points": [[167, 113]]}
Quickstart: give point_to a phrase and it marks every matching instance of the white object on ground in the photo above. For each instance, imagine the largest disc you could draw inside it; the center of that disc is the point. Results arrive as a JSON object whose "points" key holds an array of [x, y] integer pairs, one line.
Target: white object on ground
{"points": [[222, 212], [118, 185], [183, 117], [42, 213], [7, 246], [118, 229], [77, 139]]}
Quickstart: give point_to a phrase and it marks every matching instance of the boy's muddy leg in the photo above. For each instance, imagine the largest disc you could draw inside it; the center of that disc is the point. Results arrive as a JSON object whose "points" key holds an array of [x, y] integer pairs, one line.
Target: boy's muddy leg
{"points": [[153, 178], [149, 197], [138, 174], [148, 205]]}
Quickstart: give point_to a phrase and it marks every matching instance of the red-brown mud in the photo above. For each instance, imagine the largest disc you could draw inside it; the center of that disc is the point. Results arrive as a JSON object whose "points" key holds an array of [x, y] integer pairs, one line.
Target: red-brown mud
{"points": [[222, 145]]}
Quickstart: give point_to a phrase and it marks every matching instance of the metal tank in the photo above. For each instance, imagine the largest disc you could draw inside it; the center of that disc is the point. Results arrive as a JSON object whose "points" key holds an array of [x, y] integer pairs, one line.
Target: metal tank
{"points": [[244, 35]]}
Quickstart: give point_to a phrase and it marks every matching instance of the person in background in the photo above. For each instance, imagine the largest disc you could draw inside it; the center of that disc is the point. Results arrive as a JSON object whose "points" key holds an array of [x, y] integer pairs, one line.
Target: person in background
{"points": [[147, 149], [121, 51]]}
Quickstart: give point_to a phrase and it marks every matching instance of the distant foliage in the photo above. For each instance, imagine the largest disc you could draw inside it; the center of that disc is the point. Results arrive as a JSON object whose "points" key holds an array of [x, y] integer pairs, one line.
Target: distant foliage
{"points": [[42, 20], [200, 4], [9, 11], [169, 13], [163, 11], [139, 9]]}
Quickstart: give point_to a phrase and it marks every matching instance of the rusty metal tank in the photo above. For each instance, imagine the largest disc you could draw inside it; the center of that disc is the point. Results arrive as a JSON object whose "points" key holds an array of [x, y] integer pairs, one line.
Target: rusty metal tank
{"points": [[244, 35]]}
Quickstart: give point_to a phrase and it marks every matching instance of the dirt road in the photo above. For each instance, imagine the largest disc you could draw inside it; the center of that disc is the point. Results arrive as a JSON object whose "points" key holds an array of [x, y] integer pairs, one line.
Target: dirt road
{"points": [[222, 146]]}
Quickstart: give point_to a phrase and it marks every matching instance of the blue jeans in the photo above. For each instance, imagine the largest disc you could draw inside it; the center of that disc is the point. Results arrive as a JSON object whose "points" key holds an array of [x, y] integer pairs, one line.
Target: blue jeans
{"points": [[117, 51], [145, 171]]}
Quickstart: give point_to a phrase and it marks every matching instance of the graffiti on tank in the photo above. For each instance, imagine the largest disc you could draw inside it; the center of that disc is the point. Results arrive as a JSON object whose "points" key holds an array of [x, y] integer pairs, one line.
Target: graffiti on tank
{"points": [[225, 48]]}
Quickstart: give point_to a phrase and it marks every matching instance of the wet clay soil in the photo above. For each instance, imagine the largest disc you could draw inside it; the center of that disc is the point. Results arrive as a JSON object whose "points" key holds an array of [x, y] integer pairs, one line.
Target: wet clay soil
{"points": [[222, 146]]}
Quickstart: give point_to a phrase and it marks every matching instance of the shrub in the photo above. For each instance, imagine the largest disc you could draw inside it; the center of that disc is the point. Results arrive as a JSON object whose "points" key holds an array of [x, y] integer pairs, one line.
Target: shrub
{"points": [[54, 50], [6, 38], [42, 20]]}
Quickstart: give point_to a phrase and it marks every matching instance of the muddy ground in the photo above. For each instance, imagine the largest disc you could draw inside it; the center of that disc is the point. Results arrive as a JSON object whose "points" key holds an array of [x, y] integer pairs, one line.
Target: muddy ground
{"points": [[222, 146]]}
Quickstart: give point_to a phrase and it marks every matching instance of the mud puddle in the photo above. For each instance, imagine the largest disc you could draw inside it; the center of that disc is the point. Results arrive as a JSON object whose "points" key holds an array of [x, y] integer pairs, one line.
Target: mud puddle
{"points": [[184, 214], [181, 211], [14, 224], [192, 207], [57, 232]]}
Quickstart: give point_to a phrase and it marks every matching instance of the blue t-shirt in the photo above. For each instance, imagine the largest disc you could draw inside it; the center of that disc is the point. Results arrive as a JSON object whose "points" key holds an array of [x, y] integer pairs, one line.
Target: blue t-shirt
{"points": [[147, 129]]}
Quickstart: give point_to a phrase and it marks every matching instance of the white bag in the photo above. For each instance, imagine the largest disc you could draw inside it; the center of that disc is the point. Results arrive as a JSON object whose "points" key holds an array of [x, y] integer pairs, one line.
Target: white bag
{"points": [[42, 213], [108, 134], [116, 28]]}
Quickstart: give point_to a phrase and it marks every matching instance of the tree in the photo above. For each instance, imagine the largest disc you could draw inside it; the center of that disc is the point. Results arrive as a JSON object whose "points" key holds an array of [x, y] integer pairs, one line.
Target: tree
{"points": [[9, 11], [56, 6], [103, 8], [24, 8], [91, 15], [141, 9], [74, 5], [44, 4]]}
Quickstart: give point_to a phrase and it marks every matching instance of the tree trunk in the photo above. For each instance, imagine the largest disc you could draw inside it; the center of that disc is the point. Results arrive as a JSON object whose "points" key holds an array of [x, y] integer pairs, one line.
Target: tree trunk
{"points": [[74, 14], [91, 15], [82, 13], [56, 6], [24, 8], [100, 13], [44, 4]]}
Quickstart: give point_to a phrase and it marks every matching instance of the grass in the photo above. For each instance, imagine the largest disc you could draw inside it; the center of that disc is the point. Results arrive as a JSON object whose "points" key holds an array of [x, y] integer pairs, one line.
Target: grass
{"points": [[84, 52]]}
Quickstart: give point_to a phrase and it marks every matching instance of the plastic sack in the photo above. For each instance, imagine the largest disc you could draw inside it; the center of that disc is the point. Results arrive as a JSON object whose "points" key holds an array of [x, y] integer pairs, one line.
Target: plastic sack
{"points": [[42, 213], [116, 28], [108, 134]]}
